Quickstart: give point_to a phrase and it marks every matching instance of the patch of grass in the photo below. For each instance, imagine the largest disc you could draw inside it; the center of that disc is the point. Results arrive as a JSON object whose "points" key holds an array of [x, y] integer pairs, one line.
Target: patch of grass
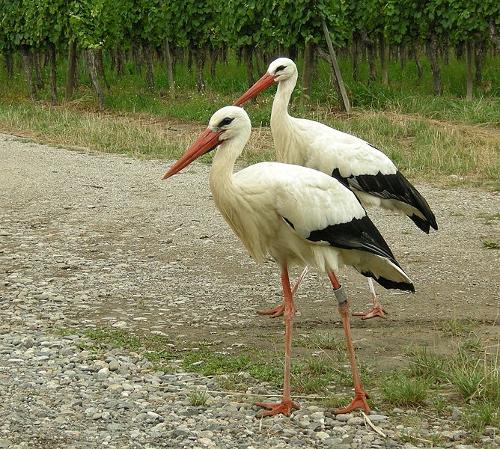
{"points": [[433, 440], [426, 365], [198, 398], [337, 401], [211, 363], [471, 374], [401, 390], [481, 414], [305, 384], [456, 327], [476, 378], [234, 382], [312, 375], [489, 219], [140, 123], [155, 348], [490, 243], [114, 337], [321, 341], [96, 131], [466, 377]]}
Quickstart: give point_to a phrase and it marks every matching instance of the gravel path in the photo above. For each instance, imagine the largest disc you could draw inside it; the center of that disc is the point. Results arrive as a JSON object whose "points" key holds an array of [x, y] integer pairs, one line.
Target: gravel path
{"points": [[94, 240]]}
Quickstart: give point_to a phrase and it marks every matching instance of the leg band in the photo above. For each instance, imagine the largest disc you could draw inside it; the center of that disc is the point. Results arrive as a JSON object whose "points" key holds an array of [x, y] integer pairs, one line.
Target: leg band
{"points": [[341, 295]]}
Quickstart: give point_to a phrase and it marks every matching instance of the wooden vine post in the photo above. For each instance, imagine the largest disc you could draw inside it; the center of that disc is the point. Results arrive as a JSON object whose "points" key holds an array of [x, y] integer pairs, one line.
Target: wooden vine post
{"points": [[339, 82]]}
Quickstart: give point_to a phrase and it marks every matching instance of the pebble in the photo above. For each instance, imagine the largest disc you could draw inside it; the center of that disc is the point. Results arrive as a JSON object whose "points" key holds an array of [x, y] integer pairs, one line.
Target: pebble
{"points": [[344, 418], [355, 421], [74, 258], [322, 435]]}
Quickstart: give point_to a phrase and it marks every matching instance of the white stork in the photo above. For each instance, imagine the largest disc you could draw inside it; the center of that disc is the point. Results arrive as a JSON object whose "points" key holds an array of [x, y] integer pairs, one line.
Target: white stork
{"points": [[298, 216], [368, 172]]}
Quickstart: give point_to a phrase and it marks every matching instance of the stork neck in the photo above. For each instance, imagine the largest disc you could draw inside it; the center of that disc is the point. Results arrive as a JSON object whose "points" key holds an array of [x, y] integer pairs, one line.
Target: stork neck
{"points": [[221, 173], [281, 123], [282, 98]]}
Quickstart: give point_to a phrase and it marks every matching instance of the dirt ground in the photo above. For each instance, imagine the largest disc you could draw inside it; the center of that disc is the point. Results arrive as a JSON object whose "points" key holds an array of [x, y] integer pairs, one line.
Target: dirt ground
{"points": [[113, 245]]}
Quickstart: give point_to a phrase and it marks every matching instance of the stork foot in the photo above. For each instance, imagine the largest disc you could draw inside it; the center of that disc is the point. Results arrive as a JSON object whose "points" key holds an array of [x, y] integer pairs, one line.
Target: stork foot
{"points": [[374, 312], [284, 407], [359, 401], [274, 312]]}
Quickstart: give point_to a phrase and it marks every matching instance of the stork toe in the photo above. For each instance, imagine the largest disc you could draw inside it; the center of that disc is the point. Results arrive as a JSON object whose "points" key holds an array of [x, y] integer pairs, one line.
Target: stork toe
{"points": [[374, 312], [273, 312], [284, 407]]}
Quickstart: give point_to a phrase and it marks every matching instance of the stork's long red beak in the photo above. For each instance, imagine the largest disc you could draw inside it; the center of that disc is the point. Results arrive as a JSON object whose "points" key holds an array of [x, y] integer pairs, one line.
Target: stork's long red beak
{"points": [[206, 141], [260, 85]]}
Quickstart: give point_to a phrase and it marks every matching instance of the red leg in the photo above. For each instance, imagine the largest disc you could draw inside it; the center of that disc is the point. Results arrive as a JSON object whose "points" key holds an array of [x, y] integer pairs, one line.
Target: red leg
{"points": [[360, 396], [377, 310], [279, 309], [286, 405]]}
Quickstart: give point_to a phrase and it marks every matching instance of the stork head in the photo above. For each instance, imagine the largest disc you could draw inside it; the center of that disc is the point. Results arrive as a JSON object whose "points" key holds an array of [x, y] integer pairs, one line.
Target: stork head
{"points": [[279, 70], [282, 69], [228, 123]]}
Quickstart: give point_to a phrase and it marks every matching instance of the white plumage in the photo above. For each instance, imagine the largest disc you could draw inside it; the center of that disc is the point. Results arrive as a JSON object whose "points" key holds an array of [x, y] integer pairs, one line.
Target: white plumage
{"points": [[294, 214], [368, 172]]}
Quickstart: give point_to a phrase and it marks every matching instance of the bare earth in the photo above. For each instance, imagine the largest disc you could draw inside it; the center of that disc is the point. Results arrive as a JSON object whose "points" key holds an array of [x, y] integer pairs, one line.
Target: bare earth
{"points": [[117, 245]]}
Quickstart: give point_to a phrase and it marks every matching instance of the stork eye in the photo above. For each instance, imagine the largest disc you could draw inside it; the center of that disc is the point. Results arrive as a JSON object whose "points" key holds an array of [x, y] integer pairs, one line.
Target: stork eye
{"points": [[280, 68], [225, 122]]}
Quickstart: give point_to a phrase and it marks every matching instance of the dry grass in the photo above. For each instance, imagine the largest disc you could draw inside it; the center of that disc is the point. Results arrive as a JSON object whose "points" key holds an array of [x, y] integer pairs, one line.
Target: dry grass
{"points": [[130, 134], [433, 150]]}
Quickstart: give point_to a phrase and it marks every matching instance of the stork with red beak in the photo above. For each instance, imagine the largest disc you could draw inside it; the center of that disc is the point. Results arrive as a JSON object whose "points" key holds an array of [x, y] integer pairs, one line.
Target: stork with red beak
{"points": [[298, 216], [359, 166]]}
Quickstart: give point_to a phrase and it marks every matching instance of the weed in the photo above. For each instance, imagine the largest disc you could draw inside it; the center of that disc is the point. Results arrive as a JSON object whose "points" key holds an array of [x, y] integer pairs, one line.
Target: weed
{"points": [[234, 382], [489, 219], [467, 377], [337, 401], [322, 341], [318, 366], [198, 398], [401, 390], [426, 365], [114, 337], [481, 414], [490, 243], [456, 327]]}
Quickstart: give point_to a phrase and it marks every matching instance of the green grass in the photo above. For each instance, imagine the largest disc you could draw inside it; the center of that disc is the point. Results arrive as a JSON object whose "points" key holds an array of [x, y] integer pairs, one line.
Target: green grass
{"points": [[456, 328], [114, 338], [481, 414], [155, 348], [424, 364], [473, 373], [468, 378], [309, 376], [427, 136], [489, 219], [401, 390], [86, 129], [490, 243], [418, 147], [321, 341], [198, 398]]}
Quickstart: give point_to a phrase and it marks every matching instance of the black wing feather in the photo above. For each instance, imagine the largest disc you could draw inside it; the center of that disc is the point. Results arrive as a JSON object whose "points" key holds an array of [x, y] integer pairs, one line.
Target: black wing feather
{"points": [[389, 284], [395, 187], [360, 234]]}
